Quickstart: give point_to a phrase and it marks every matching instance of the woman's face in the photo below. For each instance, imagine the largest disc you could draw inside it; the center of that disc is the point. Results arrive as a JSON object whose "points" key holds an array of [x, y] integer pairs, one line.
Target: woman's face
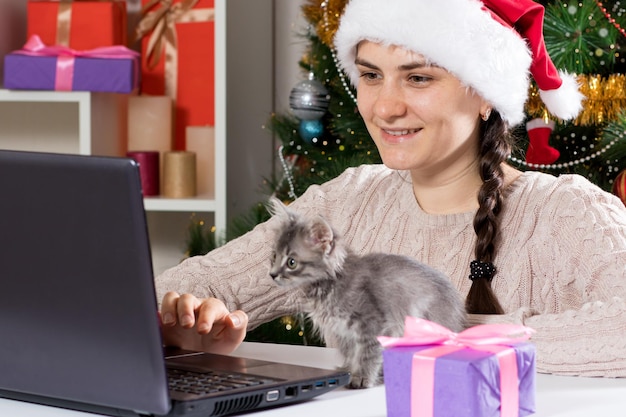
{"points": [[420, 116]]}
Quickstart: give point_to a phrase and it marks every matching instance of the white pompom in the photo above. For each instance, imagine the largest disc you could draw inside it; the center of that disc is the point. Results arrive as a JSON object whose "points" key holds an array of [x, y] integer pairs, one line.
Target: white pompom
{"points": [[566, 101]]}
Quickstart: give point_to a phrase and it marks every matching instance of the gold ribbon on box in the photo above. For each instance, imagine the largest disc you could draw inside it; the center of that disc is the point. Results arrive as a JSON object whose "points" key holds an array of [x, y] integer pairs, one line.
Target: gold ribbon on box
{"points": [[162, 23], [64, 21]]}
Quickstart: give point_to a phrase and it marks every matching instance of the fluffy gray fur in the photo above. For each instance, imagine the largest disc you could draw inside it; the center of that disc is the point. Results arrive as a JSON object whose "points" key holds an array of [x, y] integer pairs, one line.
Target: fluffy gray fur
{"points": [[352, 299]]}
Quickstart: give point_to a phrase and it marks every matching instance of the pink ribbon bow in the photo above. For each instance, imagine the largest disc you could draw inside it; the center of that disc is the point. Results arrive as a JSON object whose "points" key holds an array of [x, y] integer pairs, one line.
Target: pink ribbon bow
{"points": [[495, 338], [66, 56]]}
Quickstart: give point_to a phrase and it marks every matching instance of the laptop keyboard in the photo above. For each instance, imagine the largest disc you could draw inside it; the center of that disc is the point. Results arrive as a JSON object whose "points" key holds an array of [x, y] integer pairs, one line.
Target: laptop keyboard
{"points": [[200, 383]]}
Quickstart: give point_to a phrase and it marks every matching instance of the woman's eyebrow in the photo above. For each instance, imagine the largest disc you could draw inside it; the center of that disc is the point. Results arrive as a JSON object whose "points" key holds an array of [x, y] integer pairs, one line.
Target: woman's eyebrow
{"points": [[363, 63], [404, 67]]}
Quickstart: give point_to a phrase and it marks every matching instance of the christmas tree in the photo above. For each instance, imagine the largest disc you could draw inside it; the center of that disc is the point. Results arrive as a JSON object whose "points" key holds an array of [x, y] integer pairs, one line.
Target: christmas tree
{"points": [[323, 133]]}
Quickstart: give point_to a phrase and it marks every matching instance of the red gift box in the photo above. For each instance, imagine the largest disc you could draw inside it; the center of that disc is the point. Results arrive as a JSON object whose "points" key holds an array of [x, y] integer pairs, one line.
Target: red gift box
{"points": [[178, 60], [77, 24]]}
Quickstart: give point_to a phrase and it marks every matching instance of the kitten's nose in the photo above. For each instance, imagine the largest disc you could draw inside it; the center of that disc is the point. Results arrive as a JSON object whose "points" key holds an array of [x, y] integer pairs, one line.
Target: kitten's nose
{"points": [[273, 275]]}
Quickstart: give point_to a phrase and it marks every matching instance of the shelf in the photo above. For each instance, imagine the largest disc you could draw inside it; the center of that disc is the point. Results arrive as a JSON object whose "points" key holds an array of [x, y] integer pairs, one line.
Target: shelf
{"points": [[197, 204], [95, 122], [45, 96]]}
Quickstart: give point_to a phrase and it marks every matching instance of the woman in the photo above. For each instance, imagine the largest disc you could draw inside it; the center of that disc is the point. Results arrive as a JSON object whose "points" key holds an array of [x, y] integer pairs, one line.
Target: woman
{"points": [[438, 85]]}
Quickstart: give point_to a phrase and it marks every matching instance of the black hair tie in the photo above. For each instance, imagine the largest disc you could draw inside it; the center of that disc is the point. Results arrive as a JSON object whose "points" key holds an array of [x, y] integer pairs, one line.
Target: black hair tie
{"points": [[484, 270]]}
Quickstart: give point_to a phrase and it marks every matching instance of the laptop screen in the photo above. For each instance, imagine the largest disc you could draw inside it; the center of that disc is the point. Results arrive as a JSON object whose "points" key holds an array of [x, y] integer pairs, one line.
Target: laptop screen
{"points": [[77, 309]]}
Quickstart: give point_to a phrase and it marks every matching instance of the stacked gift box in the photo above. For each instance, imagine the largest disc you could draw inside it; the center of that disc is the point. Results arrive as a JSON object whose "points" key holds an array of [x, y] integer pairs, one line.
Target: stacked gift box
{"points": [[74, 46], [82, 46]]}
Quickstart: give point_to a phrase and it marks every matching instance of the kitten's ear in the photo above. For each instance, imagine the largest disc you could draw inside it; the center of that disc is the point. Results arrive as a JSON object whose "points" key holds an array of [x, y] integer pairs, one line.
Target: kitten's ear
{"points": [[276, 207], [321, 235]]}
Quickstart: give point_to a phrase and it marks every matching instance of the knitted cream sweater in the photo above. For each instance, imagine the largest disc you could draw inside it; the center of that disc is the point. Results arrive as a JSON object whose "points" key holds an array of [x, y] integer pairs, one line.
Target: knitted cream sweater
{"points": [[561, 263]]}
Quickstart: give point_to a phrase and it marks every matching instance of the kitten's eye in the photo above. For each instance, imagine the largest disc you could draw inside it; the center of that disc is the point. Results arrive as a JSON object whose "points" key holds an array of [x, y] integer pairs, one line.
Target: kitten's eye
{"points": [[273, 257], [292, 263]]}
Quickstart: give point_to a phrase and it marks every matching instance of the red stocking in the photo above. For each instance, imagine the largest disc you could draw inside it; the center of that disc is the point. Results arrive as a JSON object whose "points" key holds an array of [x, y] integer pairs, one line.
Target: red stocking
{"points": [[539, 151]]}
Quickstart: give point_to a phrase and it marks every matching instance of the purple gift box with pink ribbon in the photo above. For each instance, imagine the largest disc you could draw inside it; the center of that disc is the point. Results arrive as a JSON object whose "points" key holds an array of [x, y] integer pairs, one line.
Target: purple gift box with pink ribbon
{"points": [[484, 371], [113, 69]]}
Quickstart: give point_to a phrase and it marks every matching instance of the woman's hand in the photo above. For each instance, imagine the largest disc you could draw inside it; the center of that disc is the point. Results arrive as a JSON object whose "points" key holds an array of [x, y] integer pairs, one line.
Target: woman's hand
{"points": [[201, 324]]}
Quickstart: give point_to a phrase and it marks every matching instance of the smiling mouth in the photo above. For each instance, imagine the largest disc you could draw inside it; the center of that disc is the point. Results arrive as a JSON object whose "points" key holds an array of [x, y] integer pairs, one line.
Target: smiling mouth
{"points": [[400, 132]]}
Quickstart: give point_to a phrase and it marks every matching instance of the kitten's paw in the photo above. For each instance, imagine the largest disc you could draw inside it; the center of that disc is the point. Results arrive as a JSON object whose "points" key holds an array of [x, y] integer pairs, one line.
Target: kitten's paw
{"points": [[359, 382]]}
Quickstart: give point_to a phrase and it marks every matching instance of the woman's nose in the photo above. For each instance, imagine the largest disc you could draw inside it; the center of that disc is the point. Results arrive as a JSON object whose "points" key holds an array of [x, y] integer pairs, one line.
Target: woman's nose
{"points": [[390, 102]]}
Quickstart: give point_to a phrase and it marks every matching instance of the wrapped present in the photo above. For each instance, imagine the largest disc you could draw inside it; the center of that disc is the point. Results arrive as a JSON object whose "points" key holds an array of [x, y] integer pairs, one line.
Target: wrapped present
{"points": [[484, 371], [78, 24], [178, 59], [111, 69]]}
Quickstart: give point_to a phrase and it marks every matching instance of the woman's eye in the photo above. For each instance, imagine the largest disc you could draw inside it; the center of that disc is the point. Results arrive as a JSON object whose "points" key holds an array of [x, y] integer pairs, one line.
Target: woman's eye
{"points": [[292, 263], [369, 76], [418, 79]]}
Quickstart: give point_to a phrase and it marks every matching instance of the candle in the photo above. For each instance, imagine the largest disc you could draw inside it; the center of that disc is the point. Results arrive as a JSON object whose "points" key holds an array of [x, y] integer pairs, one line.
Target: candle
{"points": [[179, 174], [150, 123], [148, 170], [201, 141]]}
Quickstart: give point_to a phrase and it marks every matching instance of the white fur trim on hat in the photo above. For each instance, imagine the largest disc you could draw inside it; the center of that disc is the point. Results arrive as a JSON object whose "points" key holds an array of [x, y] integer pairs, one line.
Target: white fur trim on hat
{"points": [[566, 101], [458, 35]]}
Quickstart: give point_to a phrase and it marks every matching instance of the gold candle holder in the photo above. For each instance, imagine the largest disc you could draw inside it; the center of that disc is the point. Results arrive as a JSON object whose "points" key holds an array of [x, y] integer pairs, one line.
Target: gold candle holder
{"points": [[179, 174]]}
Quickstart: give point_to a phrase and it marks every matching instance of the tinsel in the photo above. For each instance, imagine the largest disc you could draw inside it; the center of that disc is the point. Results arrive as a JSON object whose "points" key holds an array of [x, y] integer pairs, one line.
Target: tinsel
{"points": [[325, 14], [605, 99]]}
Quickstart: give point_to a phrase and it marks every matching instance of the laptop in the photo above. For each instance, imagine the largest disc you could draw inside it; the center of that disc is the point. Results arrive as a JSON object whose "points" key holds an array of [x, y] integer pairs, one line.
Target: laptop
{"points": [[78, 312]]}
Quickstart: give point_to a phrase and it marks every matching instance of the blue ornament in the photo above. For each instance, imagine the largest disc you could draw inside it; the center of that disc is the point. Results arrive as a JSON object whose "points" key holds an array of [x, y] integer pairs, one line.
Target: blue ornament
{"points": [[311, 130]]}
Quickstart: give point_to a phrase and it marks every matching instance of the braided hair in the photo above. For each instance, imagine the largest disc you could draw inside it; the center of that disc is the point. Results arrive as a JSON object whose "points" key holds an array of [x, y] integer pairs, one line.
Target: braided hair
{"points": [[495, 147]]}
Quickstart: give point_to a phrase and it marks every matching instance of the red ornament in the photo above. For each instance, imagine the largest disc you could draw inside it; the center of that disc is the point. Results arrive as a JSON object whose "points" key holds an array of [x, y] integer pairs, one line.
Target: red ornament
{"points": [[619, 186]]}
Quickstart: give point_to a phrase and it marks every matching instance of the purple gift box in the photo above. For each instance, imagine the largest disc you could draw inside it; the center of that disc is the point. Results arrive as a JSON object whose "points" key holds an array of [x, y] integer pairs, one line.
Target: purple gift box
{"points": [[26, 72], [466, 382]]}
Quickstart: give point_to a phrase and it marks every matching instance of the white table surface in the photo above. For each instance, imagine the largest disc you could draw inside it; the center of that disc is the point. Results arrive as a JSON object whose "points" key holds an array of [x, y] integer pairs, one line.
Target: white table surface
{"points": [[556, 395]]}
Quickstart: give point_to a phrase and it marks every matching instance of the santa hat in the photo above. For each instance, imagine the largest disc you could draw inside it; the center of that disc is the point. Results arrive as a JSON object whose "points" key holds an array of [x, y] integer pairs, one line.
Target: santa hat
{"points": [[489, 45]]}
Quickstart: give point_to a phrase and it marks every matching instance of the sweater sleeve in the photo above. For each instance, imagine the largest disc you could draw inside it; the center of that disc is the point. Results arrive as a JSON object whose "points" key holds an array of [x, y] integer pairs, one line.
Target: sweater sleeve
{"points": [[238, 272], [578, 300]]}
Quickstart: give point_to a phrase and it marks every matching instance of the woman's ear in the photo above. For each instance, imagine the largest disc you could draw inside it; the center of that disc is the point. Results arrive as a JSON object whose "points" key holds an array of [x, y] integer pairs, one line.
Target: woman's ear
{"points": [[485, 110]]}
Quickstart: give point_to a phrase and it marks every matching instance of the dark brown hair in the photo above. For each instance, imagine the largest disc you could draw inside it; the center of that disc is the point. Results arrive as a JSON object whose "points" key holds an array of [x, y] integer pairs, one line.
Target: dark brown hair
{"points": [[494, 149]]}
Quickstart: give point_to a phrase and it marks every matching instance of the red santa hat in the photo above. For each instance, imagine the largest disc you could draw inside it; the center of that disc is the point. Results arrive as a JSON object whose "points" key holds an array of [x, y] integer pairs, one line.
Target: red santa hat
{"points": [[491, 46]]}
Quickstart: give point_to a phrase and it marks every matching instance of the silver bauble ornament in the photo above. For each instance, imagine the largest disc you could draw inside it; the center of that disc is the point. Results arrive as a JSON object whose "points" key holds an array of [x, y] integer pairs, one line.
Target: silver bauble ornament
{"points": [[309, 99]]}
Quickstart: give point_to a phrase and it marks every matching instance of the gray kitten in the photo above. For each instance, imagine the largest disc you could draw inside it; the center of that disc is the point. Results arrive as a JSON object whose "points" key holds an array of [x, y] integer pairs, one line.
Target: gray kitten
{"points": [[352, 299]]}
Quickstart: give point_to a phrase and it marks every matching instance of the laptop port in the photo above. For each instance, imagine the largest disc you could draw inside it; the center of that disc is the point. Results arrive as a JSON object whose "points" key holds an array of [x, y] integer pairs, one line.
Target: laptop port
{"points": [[306, 388], [332, 382], [291, 392], [272, 395], [320, 384]]}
